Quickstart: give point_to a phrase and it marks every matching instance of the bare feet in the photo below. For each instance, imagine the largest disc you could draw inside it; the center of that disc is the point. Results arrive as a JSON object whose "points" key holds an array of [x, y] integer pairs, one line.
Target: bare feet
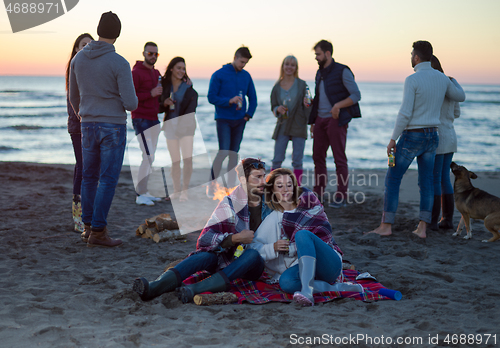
{"points": [[184, 196], [384, 229], [421, 228]]}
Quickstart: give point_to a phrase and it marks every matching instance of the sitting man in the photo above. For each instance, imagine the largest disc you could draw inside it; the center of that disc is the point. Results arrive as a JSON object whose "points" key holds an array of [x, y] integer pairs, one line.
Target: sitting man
{"points": [[232, 223]]}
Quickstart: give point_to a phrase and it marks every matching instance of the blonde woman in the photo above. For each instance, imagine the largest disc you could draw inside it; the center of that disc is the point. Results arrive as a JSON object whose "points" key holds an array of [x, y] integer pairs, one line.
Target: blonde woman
{"points": [[290, 107]]}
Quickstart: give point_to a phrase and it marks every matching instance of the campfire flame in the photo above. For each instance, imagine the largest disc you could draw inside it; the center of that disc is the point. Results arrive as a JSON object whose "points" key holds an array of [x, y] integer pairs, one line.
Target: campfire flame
{"points": [[219, 191]]}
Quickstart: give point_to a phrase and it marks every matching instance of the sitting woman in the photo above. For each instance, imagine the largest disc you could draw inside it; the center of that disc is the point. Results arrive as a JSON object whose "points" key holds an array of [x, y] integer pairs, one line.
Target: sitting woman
{"points": [[296, 240]]}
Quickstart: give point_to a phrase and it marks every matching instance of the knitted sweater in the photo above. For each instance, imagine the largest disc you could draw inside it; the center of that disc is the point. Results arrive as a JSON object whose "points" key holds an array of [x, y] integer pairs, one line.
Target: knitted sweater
{"points": [[423, 96]]}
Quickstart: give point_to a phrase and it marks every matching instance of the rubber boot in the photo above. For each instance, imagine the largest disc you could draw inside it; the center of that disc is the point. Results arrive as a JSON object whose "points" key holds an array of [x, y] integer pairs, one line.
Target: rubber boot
{"points": [[298, 175], [436, 209], [77, 214], [307, 271], [448, 204], [167, 282], [216, 283], [322, 286], [101, 238]]}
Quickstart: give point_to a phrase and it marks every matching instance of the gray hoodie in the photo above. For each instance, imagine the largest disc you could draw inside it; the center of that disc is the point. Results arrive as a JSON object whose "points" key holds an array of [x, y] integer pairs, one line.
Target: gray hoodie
{"points": [[100, 84]]}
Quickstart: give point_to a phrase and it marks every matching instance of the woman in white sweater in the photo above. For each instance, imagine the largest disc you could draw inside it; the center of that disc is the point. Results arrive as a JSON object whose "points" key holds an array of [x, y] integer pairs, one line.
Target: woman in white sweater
{"points": [[443, 188], [296, 240]]}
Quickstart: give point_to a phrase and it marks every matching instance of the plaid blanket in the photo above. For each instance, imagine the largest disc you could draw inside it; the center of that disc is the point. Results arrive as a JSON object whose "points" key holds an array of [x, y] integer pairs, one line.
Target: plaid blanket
{"points": [[259, 292]]}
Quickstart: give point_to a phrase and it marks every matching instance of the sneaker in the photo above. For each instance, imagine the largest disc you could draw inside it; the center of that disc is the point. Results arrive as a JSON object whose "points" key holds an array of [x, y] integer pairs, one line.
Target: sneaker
{"points": [[151, 197], [143, 200], [337, 205]]}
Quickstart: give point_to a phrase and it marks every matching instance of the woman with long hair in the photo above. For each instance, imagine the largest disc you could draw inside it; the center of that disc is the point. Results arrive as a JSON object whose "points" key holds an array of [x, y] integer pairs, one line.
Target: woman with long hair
{"points": [[74, 129], [443, 189], [296, 240], [179, 101], [290, 107]]}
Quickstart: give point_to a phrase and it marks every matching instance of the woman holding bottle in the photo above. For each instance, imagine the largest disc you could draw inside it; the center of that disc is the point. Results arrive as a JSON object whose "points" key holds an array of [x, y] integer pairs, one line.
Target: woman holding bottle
{"points": [[296, 240], [75, 131], [290, 101], [179, 101]]}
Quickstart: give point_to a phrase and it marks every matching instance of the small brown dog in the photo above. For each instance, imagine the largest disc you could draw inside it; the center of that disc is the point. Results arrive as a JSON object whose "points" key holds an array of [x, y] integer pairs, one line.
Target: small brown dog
{"points": [[474, 203]]}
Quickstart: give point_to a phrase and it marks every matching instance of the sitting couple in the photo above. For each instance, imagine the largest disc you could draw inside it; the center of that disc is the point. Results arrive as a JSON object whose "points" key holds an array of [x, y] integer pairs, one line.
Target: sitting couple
{"points": [[292, 238]]}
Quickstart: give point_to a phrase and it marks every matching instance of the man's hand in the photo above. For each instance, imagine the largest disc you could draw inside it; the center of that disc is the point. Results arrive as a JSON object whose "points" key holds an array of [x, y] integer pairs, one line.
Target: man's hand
{"points": [[155, 92], [312, 131], [281, 245], [246, 118], [235, 100], [244, 237], [391, 147], [335, 111]]}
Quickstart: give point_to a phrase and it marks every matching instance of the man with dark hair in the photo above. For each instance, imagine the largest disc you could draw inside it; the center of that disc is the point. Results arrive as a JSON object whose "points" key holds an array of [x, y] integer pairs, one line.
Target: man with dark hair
{"points": [[232, 224], [227, 90], [100, 90], [145, 118], [334, 105], [416, 128]]}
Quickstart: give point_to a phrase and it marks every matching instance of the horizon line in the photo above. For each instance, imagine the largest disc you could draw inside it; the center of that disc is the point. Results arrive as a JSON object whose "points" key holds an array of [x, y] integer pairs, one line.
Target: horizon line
{"points": [[267, 79]]}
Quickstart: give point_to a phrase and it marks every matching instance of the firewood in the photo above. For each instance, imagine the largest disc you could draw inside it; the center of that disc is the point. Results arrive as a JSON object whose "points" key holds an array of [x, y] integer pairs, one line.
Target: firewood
{"points": [[167, 235], [217, 298], [166, 224], [151, 222], [141, 229]]}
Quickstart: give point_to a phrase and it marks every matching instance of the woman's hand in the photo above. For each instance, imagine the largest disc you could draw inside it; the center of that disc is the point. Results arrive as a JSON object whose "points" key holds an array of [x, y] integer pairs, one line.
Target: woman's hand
{"points": [[281, 245], [281, 110], [168, 102]]}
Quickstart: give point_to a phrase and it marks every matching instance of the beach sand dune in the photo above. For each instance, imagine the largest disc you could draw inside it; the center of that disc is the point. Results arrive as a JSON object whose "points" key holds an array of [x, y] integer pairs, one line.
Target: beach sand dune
{"points": [[57, 292]]}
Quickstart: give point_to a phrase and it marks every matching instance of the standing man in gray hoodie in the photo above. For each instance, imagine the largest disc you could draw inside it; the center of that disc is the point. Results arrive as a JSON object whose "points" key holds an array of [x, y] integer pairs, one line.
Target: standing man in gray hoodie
{"points": [[101, 89]]}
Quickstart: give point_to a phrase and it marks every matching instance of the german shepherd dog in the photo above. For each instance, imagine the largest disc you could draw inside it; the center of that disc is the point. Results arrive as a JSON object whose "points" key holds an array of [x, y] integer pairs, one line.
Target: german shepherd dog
{"points": [[474, 203]]}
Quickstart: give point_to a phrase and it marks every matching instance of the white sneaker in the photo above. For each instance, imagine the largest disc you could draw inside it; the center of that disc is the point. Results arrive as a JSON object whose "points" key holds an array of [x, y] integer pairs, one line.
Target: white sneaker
{"points": [[151, 197], [143, 200]]}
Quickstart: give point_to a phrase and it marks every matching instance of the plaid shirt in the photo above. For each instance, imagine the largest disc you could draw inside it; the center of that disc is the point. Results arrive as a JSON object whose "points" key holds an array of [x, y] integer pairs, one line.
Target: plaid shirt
{"points": [[230, 217], [309, 215]]}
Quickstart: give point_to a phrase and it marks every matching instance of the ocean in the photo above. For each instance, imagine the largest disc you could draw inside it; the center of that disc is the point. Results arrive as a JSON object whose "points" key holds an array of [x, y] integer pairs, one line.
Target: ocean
{"points": [[33, 125]]}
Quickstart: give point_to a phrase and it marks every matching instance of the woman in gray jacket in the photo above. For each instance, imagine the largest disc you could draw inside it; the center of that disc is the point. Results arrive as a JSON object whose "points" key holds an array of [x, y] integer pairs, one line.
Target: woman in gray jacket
{"points": [[290, 107], [443, 189]]}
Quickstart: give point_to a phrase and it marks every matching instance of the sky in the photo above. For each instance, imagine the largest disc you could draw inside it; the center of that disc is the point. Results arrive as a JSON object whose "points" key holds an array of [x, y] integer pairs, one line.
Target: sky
{"points": [[372, 37]]}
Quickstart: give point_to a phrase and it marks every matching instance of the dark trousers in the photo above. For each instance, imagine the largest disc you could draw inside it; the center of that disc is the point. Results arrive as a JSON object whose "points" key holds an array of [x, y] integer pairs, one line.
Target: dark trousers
{"points": [[327, 133], [76, 139]]}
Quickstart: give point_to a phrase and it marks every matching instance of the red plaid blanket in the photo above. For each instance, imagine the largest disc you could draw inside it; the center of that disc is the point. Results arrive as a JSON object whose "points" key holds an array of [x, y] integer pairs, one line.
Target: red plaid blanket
{"points": [[259, 292]]}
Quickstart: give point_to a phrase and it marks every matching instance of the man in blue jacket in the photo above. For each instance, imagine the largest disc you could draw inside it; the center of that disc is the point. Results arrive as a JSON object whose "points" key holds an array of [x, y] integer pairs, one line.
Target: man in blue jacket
{"points": [[228, 88]]}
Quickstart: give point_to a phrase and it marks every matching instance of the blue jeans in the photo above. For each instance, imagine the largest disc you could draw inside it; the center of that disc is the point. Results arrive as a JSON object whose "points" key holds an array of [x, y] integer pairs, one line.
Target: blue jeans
{"points": [[249, 265], [76, 139], [328, 262], [410, 145], [230, 135], [442, 182], [280, 146], [103, 149]]}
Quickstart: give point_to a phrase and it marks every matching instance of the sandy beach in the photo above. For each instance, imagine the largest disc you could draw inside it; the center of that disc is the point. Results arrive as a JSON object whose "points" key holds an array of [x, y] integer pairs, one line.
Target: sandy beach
{"points": [[57, 292]]}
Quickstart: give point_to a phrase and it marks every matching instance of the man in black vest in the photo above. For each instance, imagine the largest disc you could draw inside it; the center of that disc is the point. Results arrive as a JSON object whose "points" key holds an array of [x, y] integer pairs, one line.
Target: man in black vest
{"points": [[335, 104]]}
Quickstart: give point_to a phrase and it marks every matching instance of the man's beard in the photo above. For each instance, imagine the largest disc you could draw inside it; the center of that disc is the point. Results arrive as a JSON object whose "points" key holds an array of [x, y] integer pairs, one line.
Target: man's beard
{"points": [[151, 61], [321, 63]]}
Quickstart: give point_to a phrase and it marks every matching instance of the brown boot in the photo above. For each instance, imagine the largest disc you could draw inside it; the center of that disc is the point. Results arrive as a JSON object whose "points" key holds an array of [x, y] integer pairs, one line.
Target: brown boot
{"points": [[86, 233], [102, 239]]}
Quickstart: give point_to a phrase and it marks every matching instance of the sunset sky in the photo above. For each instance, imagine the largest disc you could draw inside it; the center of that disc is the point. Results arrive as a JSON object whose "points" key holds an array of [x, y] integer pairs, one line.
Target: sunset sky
{"points": [[373, 37]]}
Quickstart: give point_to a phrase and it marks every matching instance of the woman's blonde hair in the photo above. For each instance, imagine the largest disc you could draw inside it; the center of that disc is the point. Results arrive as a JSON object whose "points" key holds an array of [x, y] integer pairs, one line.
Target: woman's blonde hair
{"points": [[287, 59], [269, 196]]}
